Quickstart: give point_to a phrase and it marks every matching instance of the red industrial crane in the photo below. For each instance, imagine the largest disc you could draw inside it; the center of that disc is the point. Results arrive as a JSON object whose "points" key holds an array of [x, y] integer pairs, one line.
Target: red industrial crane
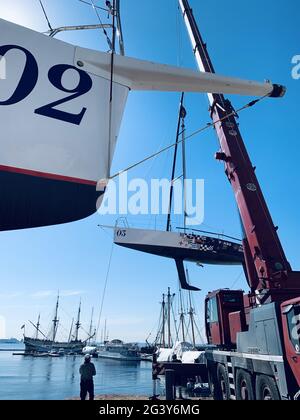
{"points": [[267, 267], [256, 337]]}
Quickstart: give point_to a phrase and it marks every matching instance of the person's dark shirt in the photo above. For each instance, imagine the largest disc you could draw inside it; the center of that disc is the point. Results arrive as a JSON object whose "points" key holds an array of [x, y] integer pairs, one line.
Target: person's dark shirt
{"points": [[87, 371]]}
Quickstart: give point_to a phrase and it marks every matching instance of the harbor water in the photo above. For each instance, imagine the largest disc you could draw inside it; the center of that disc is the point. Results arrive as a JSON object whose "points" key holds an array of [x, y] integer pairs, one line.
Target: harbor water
{"points": [[38, 378]]}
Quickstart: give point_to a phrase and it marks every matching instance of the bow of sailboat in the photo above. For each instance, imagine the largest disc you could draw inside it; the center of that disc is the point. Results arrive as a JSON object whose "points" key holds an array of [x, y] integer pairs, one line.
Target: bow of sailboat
{"points": [[55, 140]]}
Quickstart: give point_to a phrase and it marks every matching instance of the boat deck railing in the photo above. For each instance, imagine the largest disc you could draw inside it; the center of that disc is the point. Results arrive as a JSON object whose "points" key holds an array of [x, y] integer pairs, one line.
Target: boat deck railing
{"points": [[204, 232]]}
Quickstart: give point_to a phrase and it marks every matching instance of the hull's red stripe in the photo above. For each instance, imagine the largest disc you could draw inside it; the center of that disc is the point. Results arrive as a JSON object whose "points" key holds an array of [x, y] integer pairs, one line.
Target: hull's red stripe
{"points": [[46, 175]]}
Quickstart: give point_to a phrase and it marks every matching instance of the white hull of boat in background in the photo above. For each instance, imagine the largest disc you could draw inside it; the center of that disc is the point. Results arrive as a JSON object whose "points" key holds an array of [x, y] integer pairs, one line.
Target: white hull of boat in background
{"points": [[184, 352], [118, 356], [117, 350], [92, 350]]}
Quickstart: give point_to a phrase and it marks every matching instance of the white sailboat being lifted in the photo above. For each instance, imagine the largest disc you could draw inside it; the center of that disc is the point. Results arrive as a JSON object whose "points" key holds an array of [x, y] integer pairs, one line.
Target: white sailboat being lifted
{"points": [[62, 106]]}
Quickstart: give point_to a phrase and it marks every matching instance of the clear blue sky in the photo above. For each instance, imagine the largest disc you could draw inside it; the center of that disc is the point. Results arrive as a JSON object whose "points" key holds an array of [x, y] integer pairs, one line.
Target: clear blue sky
{"points": [[254, 40]]}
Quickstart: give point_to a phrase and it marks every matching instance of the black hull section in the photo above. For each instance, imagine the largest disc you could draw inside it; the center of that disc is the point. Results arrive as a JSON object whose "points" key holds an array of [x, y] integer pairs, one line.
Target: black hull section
{"points": [[33, 345], [29, 201], [217, 256]]}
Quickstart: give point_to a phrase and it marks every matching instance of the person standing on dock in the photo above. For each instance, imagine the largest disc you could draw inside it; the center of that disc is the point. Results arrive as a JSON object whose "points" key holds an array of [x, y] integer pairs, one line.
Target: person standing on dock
{"points": [[87, 371]]}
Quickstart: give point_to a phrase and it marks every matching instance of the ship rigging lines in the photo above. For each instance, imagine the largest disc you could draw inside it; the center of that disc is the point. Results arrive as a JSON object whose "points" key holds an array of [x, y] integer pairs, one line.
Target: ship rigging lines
{"points": [[209, 125], [46, 15]]}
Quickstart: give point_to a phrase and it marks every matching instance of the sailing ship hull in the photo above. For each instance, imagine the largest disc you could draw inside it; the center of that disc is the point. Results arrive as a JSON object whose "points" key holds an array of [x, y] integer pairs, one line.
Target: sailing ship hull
{"points": [[33, 345], [181, 246]]}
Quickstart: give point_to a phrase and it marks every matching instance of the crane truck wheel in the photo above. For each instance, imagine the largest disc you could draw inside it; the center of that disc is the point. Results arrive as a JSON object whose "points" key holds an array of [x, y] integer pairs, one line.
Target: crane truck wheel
{"points": [[223, 383], [244, 386], [266, 388]]}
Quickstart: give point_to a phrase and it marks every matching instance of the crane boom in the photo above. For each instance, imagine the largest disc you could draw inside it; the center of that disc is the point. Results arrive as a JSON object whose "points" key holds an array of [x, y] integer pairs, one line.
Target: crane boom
{"points": [[267, 268]]}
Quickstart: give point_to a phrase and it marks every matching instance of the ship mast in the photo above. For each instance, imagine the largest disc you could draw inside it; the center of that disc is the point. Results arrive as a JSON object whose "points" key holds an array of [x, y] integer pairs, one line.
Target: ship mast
{"points": [[70, 333], [55, 320], [169, 227], [169, 318], [181, 315], [179, 133], [182, 116], [104, 333], [191, 313], [91, 326], [77, 325], [163, 321], [37, 327]]}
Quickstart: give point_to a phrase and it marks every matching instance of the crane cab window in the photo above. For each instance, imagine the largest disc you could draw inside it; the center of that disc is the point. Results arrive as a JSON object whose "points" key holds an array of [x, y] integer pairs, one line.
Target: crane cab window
{"points": [[231, 298], [293, 321], [212, 310]]}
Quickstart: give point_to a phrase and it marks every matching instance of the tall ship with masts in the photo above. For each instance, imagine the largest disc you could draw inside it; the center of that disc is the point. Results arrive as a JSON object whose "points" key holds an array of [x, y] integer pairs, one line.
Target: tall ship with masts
{"points": [[178, 332], [42, 343]]}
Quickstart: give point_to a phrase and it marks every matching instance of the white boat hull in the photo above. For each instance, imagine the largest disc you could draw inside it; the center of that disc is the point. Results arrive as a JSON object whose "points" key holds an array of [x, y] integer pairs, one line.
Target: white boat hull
{"points": [[118, 356], [181, 246]]}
